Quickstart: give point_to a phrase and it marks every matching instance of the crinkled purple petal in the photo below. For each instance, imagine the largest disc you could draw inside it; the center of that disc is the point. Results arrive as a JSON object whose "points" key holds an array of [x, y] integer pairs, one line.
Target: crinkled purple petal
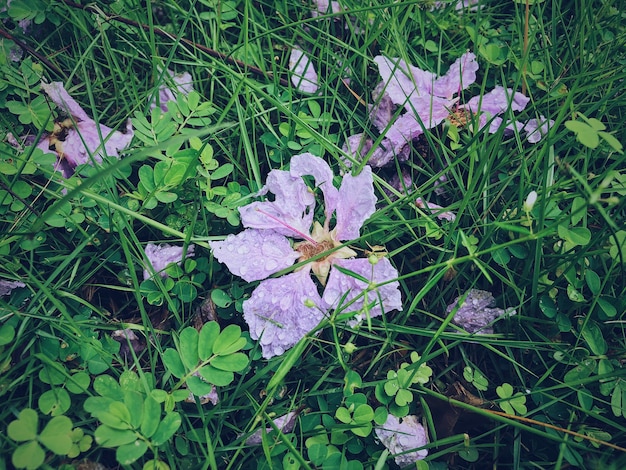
{"points": [[432, 110], [359, 145], [303, 74], [381, 112], [86, 140], [285, 423], [181, 83], [497, 101], [290, 212], [340, 284], [7, 286], [536, 129], [278, 314], [309, 164], [254, 254], [160, 256], [462, 73], [402, 438], [477, 312], [403, 81], [57, 93], [357, 202]]}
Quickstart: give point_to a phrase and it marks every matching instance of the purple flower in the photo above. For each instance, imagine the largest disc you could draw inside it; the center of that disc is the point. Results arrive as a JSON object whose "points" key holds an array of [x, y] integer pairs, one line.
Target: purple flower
{"points": [[182, 83], [80, 139], [428, 101], [160, 256], [6, 287], [403, 439], [278, 233], [303, 74], [477, 312]]}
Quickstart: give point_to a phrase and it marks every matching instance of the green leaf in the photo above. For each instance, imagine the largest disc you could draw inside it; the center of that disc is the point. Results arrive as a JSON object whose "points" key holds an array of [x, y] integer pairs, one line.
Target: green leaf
{"points": [[109, 437], [7, 333], [617, 405], [134, 403], [78, 382], [107, 386], [129, 381], [217, 377], [54, 402], [188, 347], [172, 362], [29, 456], [221, 299], [208, 334], [607, 307], [403, 397], [129, 453], [24, 428], [151, 417], [120, 411], [57, 435], [166, 428], [198, 387], [505, 390], [229, 341], [593, 281], [343, 415], [233, 363], [592, 334]]}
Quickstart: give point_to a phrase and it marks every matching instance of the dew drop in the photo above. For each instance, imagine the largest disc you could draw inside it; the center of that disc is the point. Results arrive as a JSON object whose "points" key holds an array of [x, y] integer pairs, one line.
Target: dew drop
{"points": [[270, 265]]}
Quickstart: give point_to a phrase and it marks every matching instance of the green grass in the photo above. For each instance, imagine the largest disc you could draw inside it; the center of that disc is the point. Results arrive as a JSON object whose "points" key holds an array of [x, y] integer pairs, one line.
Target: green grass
{"points": [[78, 244]]}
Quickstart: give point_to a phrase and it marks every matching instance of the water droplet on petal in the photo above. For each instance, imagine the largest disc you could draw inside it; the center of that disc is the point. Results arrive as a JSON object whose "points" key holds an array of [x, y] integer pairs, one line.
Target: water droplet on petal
{"points": [[270, 265]]}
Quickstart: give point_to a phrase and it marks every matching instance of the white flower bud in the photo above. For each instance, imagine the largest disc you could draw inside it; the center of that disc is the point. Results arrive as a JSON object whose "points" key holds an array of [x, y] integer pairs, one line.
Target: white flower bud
{"points": [[529, 203]]}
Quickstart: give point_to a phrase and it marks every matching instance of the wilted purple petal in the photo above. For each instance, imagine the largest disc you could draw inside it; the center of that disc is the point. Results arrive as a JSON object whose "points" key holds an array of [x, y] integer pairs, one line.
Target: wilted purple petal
{"points": [[340, 284], [309, 164], [291, 209], [476, 313], [381, 112], [536, 129], [403, 438], [285, 423], [323, 7], [404, 82], [85, 140], [462, 73], [277, 312], [303, 75], [497, 101], [437, 210], [59, 96], [160, 256], [357, 202], [7, 286], [182, 83], [254, 254]]}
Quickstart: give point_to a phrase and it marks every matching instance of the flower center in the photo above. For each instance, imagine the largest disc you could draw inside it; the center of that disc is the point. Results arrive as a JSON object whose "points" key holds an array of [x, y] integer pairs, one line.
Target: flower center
{"points": [[308, 250]]}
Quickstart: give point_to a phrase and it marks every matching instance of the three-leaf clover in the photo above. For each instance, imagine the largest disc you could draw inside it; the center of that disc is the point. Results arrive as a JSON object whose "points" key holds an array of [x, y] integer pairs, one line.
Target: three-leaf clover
{"points": [[510, 403]]}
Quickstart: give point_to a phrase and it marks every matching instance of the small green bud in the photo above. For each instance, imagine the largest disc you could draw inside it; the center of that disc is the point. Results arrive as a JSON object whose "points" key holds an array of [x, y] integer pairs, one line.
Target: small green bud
{"points": [[373, 259], [349, 347], [309, 303]]}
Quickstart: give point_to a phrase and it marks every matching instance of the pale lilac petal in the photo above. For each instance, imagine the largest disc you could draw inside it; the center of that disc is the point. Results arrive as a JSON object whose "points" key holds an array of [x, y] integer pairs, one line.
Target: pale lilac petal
{"points": [[278, 311], [497, 101], [477, 312], [536, 129], [303, 75], [323, 7], [359, 146], [403, 81], [180, 84], [57, 93], [291, 212], [309, 164], [7, 286], [357, 202], [403, 438], [437, 210], [285, 423], [160, 256], [462, 73], [381, 112], [254, 254], [432, 110], [340, 284]]}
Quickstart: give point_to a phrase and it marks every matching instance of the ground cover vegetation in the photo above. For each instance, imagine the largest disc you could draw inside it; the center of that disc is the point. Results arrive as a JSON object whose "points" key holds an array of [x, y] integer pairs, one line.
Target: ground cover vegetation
{"points": [[295, 234]]}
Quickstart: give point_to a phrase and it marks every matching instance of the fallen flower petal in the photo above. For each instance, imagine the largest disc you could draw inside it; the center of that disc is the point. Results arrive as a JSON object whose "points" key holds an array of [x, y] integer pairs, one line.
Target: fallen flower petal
{"points": [[477, 311], [357, 202], [160, 256], [6, 287], [285, 423], [403, 439], [255, 254], [437, 210], [84, 140], [536, 129], [340, 285], [303, 74], [182, 83], [279, 311]]}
